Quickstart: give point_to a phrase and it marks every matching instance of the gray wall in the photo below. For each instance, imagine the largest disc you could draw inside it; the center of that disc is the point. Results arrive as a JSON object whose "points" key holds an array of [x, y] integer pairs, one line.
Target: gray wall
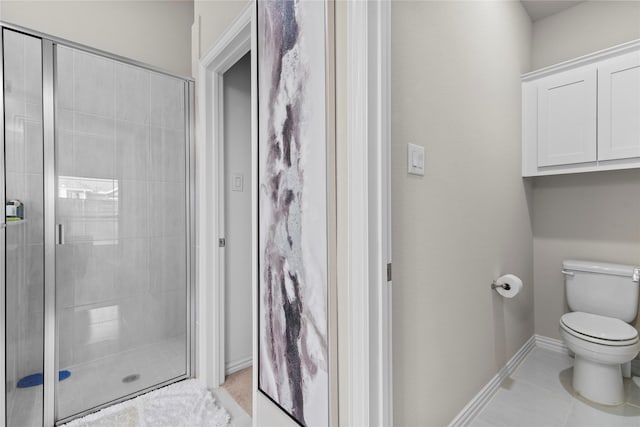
{"points": [[456, 90], [585, 216], [211, 19], [153, 32], [237, 159], [588, 27]]}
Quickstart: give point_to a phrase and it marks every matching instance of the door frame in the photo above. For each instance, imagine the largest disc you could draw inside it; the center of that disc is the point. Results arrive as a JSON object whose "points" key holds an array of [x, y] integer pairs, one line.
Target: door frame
{"points": [[3, 234], [369, 371], [234, 43], [368, 34]]}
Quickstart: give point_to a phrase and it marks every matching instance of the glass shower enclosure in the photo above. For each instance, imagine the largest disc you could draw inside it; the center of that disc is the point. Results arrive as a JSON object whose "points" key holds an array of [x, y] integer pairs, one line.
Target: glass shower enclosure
{"points": [[97, 236]]}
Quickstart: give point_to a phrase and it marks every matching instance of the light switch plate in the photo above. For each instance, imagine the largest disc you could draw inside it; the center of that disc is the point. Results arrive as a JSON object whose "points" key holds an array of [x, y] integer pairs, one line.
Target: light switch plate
{"points": [[415, 159], [237, 182]]}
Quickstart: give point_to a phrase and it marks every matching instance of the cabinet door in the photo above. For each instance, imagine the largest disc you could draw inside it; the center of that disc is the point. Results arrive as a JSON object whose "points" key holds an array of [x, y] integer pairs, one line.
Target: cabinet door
{"points": [[567, 117], [619, 107]]}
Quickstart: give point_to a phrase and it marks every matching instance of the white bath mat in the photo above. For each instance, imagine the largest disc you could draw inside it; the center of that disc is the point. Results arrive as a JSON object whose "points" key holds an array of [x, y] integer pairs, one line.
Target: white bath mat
{"points": [[184, 404]]}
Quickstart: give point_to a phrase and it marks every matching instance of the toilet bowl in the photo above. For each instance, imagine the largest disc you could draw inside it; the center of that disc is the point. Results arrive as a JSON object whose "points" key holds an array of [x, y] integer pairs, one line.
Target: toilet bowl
{"points": [[603, 299], [601, 345]]}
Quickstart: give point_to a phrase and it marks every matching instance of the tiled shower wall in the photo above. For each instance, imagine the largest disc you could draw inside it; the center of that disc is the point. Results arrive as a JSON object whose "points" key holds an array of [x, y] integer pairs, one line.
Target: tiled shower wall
{"points": [[120, 158]]}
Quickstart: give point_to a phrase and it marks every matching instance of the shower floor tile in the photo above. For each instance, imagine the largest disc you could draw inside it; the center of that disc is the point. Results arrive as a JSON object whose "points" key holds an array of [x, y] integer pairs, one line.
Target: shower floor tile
{"points": [[539, 393], [100, 381]]}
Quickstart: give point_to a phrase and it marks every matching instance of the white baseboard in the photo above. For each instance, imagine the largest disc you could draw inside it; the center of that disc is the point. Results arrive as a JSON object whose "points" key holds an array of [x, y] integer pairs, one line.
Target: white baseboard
{"points": [[551, 344], [238, 365], [478, 403]]}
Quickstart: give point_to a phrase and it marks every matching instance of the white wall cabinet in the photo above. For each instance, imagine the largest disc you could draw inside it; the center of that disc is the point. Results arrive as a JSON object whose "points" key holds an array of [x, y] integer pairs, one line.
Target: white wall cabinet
{"points": [[619, 107], [567, 117], [583, 115]]}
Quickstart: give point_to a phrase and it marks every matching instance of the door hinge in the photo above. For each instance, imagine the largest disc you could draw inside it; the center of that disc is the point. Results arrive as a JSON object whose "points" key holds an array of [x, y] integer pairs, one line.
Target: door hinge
{"points": [[389, 272], [222, 242]]}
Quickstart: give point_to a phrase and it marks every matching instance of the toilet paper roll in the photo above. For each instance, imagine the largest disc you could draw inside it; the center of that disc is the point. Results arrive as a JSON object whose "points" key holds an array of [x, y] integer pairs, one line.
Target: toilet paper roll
{"points": [[514, 282]]}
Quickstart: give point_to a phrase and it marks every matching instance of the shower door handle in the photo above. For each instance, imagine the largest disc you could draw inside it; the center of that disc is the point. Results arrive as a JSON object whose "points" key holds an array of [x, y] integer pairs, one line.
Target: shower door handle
{"points": [[59, 234]]}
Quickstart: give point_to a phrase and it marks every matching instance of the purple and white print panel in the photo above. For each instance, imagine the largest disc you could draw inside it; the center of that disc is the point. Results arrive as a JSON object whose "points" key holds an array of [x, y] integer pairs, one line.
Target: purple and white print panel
{"points": [[292, 168]]}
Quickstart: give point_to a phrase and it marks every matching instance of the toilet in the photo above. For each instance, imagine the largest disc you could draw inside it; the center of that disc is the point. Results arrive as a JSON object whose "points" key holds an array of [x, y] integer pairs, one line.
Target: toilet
{"points": [[603, 299]]}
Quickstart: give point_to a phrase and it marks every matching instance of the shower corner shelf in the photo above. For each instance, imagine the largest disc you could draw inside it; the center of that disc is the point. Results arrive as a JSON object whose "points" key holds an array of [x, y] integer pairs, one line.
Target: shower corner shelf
{"points": [[15, 222]]}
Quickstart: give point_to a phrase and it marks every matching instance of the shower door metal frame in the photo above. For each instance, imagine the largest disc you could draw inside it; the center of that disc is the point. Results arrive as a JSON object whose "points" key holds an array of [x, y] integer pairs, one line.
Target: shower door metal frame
{"points": [[50, 327], [49, 44], [3, 243]]}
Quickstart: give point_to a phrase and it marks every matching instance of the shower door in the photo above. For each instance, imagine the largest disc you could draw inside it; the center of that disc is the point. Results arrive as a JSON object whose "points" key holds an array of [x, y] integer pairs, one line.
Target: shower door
{"points": [[121, 218], [96, 264]]}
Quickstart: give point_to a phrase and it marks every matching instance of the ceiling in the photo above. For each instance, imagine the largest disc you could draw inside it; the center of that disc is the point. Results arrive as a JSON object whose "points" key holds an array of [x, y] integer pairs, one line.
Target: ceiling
{"points": [[538, 9]]}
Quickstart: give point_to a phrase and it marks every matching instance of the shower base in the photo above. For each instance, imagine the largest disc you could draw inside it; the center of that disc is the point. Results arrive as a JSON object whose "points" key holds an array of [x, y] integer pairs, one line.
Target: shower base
{"points": [[101, 381]]}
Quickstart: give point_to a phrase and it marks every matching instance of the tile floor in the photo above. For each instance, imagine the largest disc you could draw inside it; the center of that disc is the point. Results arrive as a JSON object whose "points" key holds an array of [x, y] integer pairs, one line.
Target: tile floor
{"points": [[539, 394]]}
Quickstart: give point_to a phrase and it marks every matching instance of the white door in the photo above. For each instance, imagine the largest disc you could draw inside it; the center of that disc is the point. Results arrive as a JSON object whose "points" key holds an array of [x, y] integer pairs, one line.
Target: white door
{"points": [[567, 117], [619, 107]]}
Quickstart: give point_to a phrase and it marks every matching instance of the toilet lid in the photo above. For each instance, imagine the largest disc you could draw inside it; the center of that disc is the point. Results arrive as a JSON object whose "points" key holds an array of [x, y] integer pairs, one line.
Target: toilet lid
{"points": [[601, 327]]}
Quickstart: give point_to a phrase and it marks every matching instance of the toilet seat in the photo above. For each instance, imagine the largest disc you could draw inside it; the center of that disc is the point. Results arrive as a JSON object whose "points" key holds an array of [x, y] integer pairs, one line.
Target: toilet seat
{"points": [[599, 329]]}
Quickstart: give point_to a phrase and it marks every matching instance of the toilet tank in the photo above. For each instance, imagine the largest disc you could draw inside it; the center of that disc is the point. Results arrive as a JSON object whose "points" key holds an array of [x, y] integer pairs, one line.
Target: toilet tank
{"points": [[602, 288]]}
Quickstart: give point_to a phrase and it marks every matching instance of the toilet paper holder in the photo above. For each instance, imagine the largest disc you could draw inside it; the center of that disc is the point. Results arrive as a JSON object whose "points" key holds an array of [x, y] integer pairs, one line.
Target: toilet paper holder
{"points": [[504, 286]]}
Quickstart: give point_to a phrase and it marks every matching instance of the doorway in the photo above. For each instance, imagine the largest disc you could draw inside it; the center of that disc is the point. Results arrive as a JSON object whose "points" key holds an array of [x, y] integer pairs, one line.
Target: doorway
{"points": [[238, 180]]}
